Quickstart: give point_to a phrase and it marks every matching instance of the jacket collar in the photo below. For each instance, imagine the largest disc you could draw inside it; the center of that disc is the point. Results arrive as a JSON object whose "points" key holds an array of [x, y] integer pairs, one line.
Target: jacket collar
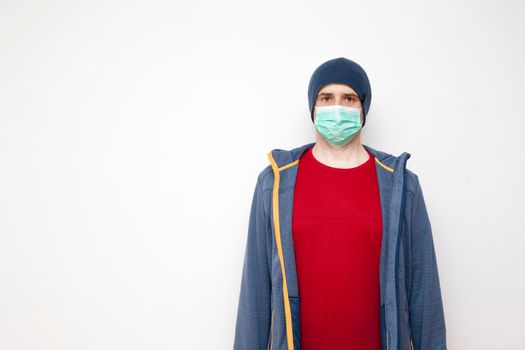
{"points": [[388, 161]]}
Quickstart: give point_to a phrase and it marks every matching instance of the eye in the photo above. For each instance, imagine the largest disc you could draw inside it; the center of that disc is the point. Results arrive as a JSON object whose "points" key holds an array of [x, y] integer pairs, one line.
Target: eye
{"points": [[351, 99], [325, 98]]}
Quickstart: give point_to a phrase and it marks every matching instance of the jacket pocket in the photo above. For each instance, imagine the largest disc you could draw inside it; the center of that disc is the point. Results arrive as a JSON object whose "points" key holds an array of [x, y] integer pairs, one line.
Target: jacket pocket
{"points": [[410, 342], [384, 332], [295, 303]]}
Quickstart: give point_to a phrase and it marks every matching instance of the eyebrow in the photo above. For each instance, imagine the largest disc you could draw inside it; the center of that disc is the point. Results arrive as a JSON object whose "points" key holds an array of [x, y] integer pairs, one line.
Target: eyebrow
{"points": [[330, 94]]}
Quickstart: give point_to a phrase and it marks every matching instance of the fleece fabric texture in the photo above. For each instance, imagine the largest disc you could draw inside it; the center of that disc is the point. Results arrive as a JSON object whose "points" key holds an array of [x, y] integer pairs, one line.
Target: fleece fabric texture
{"points": [[411, 309]]}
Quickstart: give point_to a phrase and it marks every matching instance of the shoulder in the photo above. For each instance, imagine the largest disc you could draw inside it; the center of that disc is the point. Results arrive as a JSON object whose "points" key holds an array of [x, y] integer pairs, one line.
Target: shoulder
{"points": [[265, 178], [411, 182]]}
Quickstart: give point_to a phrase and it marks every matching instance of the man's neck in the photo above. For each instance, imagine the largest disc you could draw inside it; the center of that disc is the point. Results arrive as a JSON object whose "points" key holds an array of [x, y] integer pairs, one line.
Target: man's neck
{"points": [[348, 156]]}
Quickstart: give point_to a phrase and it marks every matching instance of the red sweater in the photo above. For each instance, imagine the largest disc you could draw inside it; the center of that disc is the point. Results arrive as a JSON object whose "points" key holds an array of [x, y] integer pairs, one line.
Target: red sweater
{"points": [[337, 229]]}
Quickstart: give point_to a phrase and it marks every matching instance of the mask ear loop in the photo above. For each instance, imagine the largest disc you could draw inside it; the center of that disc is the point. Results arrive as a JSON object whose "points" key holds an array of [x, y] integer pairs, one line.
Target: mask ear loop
{"points": [[364, 115]]}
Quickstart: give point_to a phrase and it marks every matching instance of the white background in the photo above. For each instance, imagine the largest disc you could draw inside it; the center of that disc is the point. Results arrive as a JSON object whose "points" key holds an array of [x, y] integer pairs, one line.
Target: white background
{"points": [[132, 133]]}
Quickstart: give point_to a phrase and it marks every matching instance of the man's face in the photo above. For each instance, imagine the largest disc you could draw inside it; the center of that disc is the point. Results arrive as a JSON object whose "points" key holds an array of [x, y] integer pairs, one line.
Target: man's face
{"points": [[338, 94]]}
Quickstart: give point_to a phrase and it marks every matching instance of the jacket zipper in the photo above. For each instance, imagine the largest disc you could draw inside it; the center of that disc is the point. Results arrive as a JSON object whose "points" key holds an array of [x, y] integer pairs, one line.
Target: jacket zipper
{"points": [[277, 231], [397, 247], [411, 344], [271, 333]]}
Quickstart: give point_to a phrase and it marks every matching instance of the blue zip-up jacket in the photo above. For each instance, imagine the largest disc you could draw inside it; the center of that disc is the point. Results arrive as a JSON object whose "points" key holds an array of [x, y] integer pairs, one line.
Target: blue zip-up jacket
{"points": [[411, 310]]}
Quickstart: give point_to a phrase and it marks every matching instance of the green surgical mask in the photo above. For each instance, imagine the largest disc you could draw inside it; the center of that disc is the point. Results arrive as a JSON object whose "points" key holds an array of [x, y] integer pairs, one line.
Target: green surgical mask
{"points": [[338, 124]]}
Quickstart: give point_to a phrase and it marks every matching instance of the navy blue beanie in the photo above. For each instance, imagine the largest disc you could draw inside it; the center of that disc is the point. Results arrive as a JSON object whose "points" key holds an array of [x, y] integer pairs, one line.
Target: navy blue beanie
{"points": [[343, 71]]}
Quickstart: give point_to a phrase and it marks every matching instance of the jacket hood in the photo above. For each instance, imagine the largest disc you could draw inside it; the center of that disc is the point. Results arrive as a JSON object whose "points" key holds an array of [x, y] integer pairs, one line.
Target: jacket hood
{"points": [[283, 157]]}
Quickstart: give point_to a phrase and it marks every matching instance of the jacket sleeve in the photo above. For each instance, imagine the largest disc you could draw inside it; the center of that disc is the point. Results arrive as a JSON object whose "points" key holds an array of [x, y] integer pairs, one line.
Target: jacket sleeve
{"points": [[254, 310], [427, 321]]}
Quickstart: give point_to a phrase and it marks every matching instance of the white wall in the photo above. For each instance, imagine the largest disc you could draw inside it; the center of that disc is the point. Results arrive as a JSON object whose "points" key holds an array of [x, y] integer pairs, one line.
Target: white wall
{"points": [[131, 135]]}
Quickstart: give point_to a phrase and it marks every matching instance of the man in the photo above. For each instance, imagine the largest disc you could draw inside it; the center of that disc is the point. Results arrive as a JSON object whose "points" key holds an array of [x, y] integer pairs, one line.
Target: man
{"points": [[340, 253]]}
